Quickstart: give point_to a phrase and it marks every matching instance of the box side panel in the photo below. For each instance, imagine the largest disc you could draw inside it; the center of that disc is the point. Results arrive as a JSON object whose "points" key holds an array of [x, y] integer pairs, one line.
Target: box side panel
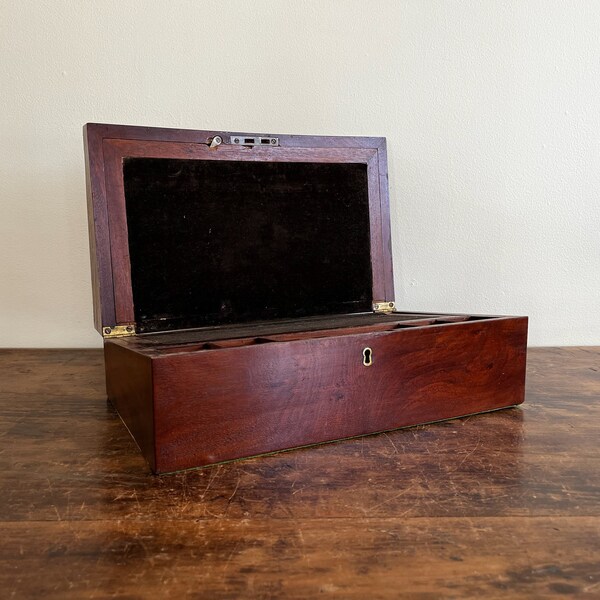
{"points": [[220, 405], [102, 285], [386, 231], [129, 389]]}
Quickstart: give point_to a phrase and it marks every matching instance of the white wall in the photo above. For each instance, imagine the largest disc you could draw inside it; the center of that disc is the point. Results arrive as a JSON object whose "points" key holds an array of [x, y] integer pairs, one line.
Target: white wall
{"points": [[491, 109]]}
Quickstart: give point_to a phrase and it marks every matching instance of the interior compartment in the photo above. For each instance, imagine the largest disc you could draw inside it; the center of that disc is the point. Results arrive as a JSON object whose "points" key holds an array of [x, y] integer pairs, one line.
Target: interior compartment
{"points": [[233, 336]]}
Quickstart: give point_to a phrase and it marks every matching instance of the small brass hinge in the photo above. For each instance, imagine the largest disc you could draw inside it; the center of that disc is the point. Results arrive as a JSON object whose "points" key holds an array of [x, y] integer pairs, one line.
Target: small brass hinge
{"points": [[383, 306], [118, 330]]}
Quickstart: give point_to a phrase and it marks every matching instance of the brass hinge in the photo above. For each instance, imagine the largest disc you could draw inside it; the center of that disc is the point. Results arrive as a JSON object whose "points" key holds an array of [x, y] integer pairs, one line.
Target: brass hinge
{"points": [[384, 306], [118, 330]]}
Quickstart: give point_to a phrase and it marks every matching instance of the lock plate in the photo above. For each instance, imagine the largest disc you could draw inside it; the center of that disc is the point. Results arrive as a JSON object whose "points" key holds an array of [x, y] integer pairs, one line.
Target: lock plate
{"points": [[367, 357], [253, 140]]}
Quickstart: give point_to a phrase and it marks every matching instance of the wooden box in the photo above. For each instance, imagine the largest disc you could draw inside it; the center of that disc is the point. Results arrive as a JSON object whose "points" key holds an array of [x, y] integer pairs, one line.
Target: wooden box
{"points": [[243, 286]]}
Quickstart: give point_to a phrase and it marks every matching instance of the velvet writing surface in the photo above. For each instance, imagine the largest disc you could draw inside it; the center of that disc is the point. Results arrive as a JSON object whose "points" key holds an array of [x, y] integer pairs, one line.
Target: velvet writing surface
{"points": [[215, 242]]}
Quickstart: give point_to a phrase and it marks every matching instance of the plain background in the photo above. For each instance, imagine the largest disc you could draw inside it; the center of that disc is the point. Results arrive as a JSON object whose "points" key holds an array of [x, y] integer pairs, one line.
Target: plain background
{"points": [[491, 110]]}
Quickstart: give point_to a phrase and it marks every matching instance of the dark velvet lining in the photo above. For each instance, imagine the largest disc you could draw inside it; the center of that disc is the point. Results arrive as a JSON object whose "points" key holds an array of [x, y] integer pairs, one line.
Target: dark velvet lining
{"points": [[214, 242]]}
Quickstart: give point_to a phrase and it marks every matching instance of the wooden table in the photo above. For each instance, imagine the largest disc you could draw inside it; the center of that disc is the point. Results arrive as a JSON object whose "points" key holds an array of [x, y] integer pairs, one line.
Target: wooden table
{"points": [[498, 505]]}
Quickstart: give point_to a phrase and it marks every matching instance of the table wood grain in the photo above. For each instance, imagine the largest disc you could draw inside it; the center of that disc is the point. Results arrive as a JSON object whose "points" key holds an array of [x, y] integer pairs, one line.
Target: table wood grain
{"points": [[499, 505]]}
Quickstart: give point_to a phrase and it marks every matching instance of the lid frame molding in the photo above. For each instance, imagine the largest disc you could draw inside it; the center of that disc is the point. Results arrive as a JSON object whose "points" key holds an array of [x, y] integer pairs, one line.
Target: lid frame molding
{"points": [[107, 145]]}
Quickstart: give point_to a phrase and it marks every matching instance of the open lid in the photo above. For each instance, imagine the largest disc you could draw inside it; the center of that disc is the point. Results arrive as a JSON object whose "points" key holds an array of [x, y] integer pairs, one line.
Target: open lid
{"points": [[204, 228]]}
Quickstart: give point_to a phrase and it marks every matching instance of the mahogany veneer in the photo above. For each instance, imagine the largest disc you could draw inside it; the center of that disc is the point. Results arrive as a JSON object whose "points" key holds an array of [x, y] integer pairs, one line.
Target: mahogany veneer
{"points": [[207, 377], [193, 407]]}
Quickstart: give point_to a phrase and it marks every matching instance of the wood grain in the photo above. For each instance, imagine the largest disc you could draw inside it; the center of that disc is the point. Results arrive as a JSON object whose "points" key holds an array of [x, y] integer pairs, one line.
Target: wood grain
{"points": [[371, 558], [129, 386], [491, 506], [107, 145], [98, 229], [216, 405], [313, 326]]}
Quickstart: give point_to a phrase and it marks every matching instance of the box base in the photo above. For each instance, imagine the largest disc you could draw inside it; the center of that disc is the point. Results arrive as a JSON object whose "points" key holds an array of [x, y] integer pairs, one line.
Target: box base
{"points": [[196, 402]]}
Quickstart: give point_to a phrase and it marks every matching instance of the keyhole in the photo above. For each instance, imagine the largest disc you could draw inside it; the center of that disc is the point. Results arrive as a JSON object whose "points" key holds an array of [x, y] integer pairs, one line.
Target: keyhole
{"points": [[367, 357]]}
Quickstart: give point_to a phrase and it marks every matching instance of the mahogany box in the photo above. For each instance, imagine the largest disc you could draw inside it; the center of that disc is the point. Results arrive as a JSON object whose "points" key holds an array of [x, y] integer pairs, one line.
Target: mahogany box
{"points": [[243, 286]]}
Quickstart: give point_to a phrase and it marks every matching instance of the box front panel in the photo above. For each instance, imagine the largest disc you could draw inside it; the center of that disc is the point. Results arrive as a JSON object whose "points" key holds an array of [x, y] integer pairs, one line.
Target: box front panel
{"points": [[217, 405]]}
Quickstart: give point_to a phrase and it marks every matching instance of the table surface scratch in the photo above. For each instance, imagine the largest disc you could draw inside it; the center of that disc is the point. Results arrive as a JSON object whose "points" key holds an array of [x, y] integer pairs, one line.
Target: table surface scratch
{"points": [[496, 505]]}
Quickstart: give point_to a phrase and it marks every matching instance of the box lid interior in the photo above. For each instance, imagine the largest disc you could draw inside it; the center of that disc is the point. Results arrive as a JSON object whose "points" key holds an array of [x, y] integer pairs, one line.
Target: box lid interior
{"points": [[201, 236]]}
